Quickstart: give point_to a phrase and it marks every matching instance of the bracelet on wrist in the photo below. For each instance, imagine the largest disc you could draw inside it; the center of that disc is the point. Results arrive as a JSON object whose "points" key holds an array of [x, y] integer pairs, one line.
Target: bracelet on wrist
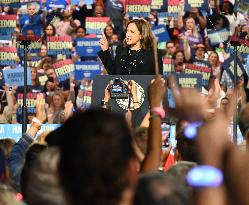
{"points": [[154, 115], [205, 176], [159, 111]]}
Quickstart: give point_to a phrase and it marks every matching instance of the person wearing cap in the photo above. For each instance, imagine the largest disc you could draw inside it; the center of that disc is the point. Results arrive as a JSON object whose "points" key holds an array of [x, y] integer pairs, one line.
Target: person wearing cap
{"points": [[199, 58]]}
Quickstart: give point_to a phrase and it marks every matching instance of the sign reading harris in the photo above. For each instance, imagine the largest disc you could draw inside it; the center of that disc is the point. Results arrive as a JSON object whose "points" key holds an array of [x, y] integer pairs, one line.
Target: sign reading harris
{"points": [[8, 56], [59, 45], [196, 69], [63, 69], [96, 24], [14, 131], [161, 33], [87, 47], [15, 76], [189, 80], [7, 24], [86, 70], [138, 8]]}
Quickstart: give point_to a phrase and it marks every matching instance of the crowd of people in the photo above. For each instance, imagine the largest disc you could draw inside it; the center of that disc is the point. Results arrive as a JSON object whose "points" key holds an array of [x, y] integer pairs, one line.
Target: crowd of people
{"points": [[141, 165]]}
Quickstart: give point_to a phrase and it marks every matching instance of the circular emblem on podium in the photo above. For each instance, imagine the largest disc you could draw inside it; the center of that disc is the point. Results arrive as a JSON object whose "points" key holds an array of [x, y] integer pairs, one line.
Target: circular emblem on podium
{"points": [[123, 103]]}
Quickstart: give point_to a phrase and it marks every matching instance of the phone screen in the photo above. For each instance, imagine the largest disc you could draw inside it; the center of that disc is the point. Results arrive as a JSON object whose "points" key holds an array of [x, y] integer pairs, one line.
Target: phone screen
{"points": [[171, 100], [171, 136]]}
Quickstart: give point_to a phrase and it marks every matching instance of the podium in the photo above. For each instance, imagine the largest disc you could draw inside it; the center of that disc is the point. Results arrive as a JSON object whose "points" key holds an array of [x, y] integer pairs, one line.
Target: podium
{"points": [[121, 105]]}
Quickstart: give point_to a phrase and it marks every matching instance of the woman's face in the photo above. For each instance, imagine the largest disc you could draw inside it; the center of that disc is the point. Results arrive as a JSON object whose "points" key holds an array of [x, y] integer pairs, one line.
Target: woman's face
{"points": [[98, 11], [133, 36], [57, 101], [49, 30], [179, 57], [33, 73], [43, 50], [190, 24], [108, 31], [31, 10], [213, 59], [80, 33]]}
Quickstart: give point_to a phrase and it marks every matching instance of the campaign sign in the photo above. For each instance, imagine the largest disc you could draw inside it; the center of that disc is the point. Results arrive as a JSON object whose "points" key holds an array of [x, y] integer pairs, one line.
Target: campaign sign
{"points": [[156, 4], [33, 49], [243, 7], [201, 4], [14, 131], [59, 45], [15, 76], [137, 8], [87, 47], [7, 24], [196, 69], [63, 69], [96, 24], [189, 80], [86, 70], [86, 2], [1, 78], [243, 45], [218, 36], [228, 64], [172, 7], [168, 66], [30, 102], [8, 56], [11, 3], [161, 33], [50, 4]]}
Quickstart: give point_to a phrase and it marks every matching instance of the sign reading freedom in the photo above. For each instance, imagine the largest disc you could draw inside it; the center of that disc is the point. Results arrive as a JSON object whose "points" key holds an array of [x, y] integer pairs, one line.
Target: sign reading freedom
{"points": [[137, 8], [8, 56], [96, 24], [63, 69], [7, 24], [59, 45]]}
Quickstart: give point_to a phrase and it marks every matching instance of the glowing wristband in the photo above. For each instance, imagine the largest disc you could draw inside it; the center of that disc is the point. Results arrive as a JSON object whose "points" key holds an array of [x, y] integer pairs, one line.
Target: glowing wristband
{"points": [[159, 111], [190, 131], [205, 176]]}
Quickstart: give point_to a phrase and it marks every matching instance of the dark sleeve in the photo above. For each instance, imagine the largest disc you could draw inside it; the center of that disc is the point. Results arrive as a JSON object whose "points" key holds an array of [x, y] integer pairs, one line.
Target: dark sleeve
{"points": [[160, 61], [106, 58], [16, 157]]}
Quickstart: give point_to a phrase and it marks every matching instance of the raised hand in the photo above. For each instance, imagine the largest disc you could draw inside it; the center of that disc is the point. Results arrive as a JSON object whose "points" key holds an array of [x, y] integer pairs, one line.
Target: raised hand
{"points": [[156, 91], [103, 42], [40, 108]]}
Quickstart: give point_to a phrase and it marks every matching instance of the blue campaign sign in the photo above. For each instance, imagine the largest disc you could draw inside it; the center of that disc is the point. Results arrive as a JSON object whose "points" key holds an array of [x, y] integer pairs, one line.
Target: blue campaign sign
{"points": [[201, 4], [86, 70], [189, 80], [86, 2], [1, 78], [87, 47], [218, 36], [16, 76], [55, 4], [161, 33], [14, 131]]}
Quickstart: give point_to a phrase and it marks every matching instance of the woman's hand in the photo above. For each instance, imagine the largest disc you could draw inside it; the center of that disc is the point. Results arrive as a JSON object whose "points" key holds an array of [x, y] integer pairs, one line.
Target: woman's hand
{"points": [[103, 42]]}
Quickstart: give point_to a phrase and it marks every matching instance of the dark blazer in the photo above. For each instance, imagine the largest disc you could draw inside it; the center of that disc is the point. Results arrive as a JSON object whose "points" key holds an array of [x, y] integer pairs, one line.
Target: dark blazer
{"points": [[144, 66]]}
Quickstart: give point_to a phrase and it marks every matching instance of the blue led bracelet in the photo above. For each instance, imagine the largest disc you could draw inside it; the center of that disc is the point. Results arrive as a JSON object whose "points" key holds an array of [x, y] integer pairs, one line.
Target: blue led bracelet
{"points": [[205, 176], [190, 131]]}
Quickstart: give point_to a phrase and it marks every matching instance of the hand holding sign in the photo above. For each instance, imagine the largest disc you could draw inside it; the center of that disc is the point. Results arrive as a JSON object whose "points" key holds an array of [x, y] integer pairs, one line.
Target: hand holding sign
{"points": [[103, 42]]}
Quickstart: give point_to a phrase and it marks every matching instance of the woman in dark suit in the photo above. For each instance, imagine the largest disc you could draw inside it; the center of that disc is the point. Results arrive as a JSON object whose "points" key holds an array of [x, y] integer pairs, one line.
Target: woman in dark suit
{"points": [[136, 57]]}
